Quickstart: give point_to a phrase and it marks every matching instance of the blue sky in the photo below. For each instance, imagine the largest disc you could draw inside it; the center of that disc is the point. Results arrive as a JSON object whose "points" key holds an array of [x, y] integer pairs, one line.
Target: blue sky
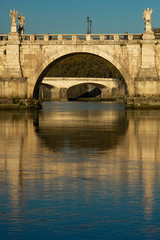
{"points": [[69, 16]]}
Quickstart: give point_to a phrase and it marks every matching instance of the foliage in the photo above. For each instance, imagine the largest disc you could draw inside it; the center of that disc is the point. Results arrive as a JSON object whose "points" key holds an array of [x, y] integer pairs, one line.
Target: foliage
{"points": [[84, 65]]}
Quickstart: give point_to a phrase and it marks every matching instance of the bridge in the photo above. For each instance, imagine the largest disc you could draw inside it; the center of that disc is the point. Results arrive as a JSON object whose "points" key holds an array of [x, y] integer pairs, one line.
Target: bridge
{"points": [[26, 58], [80, 87]]}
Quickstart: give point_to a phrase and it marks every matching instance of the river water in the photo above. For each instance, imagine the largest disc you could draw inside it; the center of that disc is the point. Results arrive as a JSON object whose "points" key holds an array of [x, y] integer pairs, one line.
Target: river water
{"points": [[78, 170]]}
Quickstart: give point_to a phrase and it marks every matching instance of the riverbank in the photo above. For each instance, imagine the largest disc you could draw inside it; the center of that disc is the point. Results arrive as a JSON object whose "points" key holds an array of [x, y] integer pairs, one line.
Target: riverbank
{"points": [[16, 103], [152, 102]]}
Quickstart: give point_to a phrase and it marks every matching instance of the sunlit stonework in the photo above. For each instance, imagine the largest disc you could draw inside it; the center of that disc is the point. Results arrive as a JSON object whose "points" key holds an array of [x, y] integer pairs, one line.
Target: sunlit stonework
{"points": [[26, 57]]}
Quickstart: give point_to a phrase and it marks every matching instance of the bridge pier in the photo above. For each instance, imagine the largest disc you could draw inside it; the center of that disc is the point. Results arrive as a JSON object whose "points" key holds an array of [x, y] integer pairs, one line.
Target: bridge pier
{"points": [[12, 66], [63, 94]]}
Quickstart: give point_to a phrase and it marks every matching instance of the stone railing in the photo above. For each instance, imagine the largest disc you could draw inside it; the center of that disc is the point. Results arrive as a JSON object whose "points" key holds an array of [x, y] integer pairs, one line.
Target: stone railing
{"points": [[81, 37], [157, 36], [3, 37], [77, 37]]}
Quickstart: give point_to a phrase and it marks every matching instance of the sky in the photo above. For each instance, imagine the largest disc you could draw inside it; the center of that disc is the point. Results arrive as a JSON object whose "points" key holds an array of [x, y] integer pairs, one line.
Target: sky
{"points": [[70, 16]]}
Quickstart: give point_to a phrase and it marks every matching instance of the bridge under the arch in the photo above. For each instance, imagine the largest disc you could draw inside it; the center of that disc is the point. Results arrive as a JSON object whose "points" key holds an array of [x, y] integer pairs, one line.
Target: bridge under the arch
{"points": [[53, 88]]}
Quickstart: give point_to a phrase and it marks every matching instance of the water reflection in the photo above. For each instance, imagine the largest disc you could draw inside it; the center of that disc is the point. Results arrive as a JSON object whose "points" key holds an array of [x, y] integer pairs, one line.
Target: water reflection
{"points": [[94, 129], [103, 159]]}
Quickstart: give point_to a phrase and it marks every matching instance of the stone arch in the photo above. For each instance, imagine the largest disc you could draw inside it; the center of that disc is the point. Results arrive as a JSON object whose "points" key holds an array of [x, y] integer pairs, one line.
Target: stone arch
{"points": [[48, 60], [84, 90]]}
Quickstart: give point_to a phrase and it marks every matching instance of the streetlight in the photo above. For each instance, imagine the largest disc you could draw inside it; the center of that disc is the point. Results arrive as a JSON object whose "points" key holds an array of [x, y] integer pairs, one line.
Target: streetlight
{"points": [[88, 25]]}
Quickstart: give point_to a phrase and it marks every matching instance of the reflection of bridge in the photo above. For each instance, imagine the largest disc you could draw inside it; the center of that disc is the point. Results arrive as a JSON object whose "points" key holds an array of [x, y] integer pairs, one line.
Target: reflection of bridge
{"points": [[25, 59], [132, 156]]}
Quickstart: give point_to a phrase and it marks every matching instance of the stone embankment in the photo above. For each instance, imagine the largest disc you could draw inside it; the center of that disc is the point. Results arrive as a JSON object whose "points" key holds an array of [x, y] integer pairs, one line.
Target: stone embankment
{"points": [[17, 103], [143, 102]]}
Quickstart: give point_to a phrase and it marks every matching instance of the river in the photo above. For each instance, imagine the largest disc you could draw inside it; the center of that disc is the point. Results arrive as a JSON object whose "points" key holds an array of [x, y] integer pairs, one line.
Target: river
{"points": [[80, 170]]}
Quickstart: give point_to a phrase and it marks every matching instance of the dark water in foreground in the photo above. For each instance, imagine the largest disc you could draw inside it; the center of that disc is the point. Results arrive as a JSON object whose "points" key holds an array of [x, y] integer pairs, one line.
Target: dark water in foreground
{"points": [[80, 171]]}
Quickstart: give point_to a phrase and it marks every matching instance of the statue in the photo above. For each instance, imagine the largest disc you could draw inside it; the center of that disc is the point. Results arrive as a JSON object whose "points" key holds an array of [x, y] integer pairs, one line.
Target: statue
{"points": [[147, 16], [13, 15], [21, 20]]}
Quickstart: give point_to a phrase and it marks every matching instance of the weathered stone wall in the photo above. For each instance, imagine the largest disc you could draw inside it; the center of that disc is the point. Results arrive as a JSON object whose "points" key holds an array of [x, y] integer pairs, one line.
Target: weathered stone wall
{"points": [[3, 53], [13, 88], [147, 87]]}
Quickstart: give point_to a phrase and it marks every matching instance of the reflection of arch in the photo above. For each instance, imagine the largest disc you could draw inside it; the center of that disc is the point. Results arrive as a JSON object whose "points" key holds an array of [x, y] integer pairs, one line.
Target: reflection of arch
{"points": [[48, 62], [70, 127]]}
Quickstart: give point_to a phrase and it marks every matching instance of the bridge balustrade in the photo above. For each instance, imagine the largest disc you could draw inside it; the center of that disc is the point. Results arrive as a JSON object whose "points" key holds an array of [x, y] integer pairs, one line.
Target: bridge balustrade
{"points": [[78, 37], [39, 37], [109, 37], [137, 36], [3, 37], [67, 37], [25, 38], [81, 37], [157, 35], [95, 37], [53, 37]]}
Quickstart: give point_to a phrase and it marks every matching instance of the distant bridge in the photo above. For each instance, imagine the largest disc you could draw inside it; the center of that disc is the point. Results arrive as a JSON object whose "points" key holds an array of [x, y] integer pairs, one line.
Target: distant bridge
{"points": [[107, 86]]}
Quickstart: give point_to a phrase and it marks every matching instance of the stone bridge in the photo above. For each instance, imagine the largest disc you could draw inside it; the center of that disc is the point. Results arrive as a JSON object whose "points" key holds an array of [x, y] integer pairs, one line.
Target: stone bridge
{"points": [[26, 58], [108, 87]]}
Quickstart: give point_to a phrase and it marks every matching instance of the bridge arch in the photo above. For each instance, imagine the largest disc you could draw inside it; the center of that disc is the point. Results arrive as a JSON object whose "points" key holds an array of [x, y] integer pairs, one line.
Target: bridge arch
{"points": [[87, 90], [48, 60]]}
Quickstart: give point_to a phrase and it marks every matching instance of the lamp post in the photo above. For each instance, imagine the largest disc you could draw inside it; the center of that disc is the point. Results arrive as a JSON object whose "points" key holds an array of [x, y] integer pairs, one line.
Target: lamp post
{"points": [[90, 26], [87, 25]]}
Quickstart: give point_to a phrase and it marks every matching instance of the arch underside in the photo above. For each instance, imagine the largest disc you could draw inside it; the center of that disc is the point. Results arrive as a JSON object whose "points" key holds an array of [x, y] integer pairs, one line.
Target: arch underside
{"points": [[49, 62]]}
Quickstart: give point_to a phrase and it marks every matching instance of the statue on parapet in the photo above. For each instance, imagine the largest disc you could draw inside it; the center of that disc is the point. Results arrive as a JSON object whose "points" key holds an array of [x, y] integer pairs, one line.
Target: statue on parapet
{"points": [[147, 14], [21, 20], [13, 14]]}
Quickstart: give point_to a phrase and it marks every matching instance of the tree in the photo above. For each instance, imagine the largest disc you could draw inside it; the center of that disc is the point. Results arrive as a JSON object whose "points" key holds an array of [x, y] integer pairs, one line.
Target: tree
{"points": [[84, 65]]}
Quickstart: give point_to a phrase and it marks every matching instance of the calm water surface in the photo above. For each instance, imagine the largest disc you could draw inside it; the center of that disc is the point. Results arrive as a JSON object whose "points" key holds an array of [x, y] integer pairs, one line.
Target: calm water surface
{"points": [[80, 171]]}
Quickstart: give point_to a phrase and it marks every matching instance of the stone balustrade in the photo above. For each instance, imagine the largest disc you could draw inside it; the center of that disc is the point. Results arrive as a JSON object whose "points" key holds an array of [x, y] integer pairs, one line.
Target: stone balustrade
{"points": [[77, 37], [3, 37]]}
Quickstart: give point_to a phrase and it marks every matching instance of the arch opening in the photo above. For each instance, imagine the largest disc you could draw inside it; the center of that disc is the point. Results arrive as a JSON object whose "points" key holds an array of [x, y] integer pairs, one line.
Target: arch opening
{"points": [[81, 65], [84, 91]]}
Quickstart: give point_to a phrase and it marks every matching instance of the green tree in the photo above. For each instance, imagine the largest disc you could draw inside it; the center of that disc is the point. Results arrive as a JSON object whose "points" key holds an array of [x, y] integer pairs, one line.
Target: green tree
{"points": [[84, 65]]}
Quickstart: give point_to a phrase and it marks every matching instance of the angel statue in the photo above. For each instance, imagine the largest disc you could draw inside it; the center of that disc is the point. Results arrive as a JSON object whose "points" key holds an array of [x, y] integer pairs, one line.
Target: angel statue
{"points": [[21, 20], [147, 14], [13, 15]]}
